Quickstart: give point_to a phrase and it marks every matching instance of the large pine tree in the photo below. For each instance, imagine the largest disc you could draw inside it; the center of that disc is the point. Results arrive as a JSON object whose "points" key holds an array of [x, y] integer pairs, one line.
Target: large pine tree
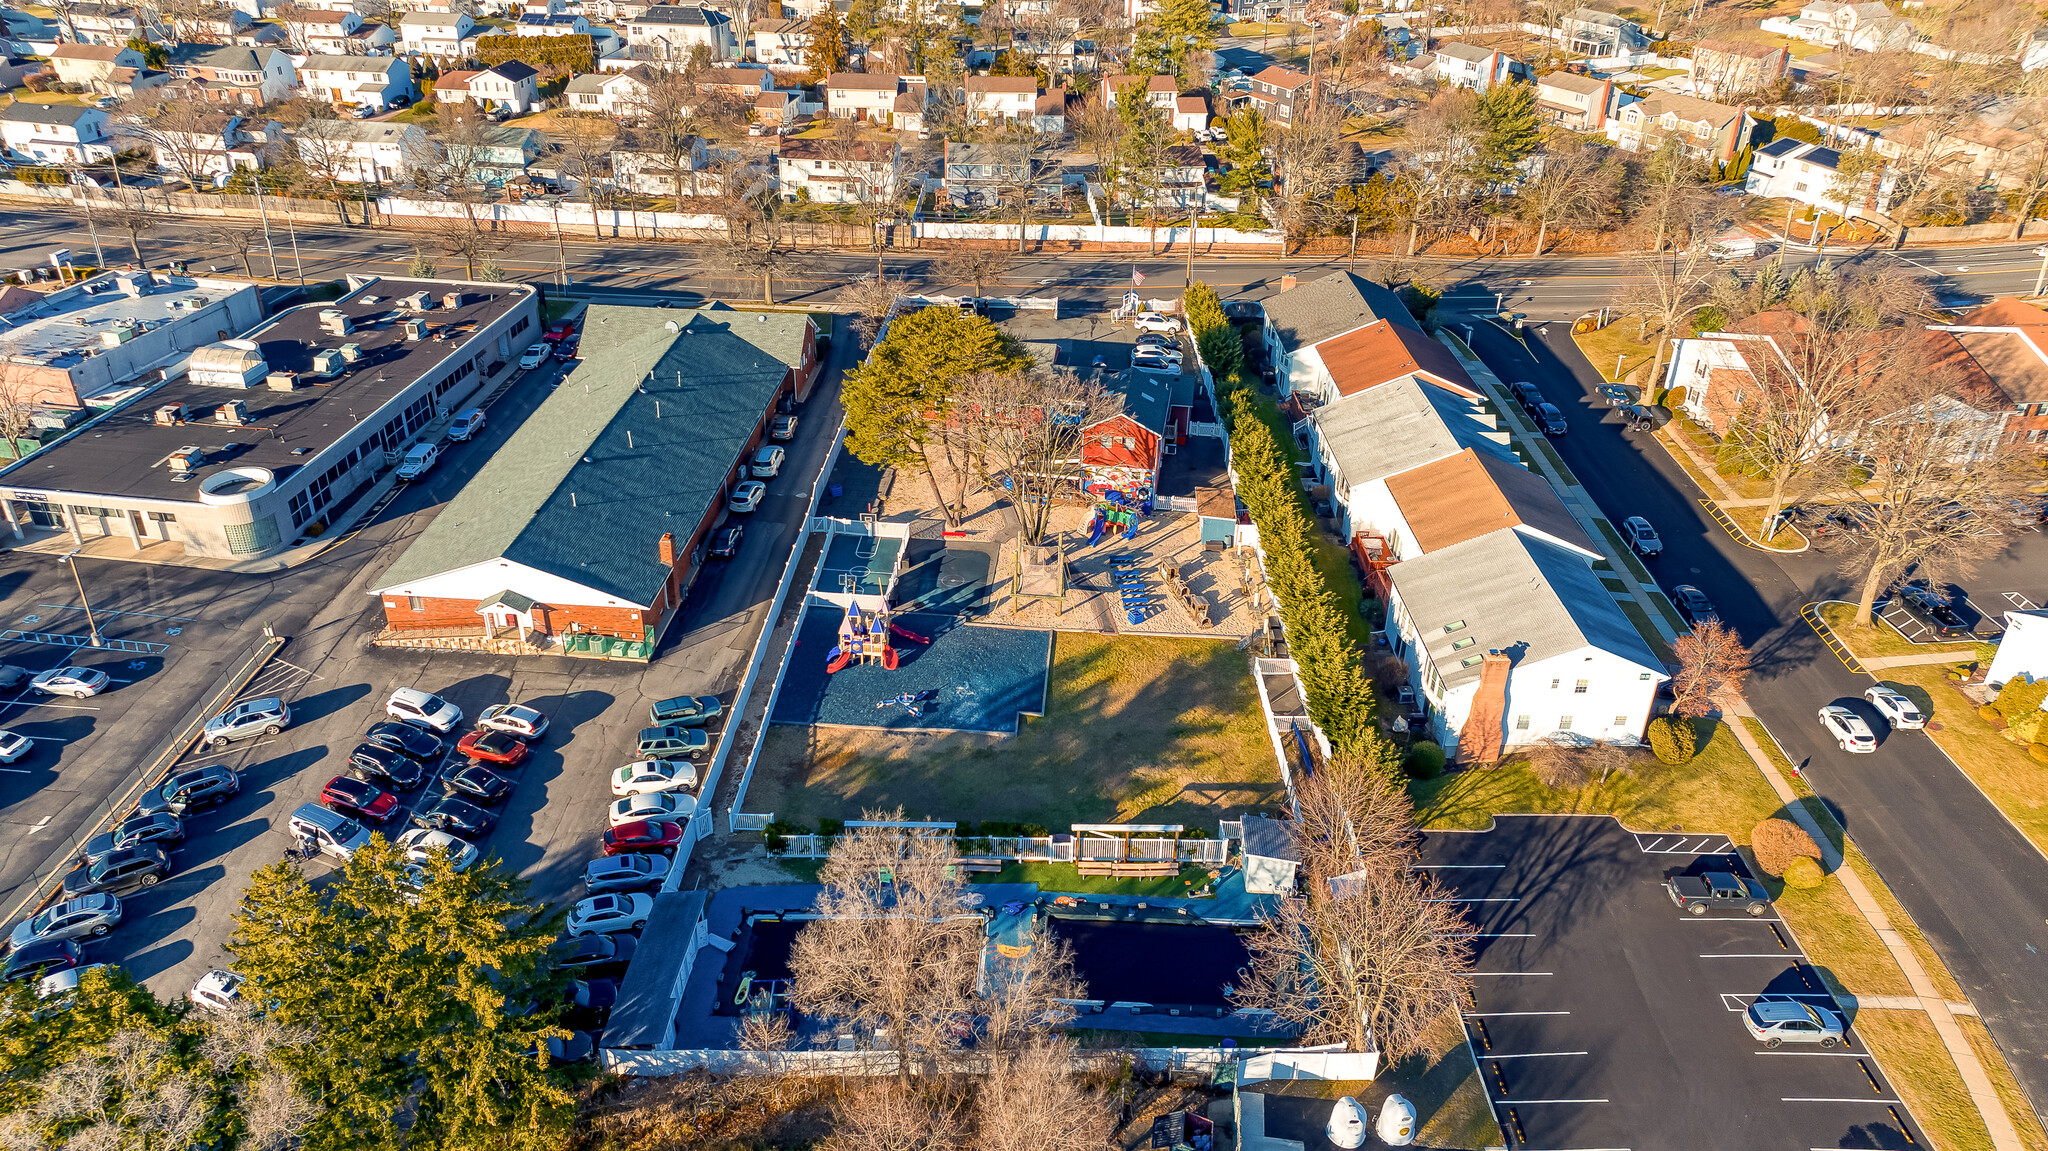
{"points": [[1512, 133], [826, 52], [1176, 32]]}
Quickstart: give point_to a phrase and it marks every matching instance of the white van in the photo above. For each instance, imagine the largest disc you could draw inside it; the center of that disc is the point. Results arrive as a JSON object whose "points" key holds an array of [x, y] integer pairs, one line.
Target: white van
{"points": [[1733, 248], [334, 833], [418, 459]]}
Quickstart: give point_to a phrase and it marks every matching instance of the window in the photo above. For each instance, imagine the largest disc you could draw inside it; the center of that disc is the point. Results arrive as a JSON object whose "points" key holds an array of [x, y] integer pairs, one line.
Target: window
{"points": [[163, 517], [1644, 676], [1554, 683], [1462, 644], [1564, 723], [1621, 721], [1521, 723], [415, 603], [1580, 689], [1454, 625], [1469, 660]]}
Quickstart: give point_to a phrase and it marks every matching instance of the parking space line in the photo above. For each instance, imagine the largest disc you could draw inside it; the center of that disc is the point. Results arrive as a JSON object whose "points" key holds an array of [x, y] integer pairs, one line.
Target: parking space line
{"points": [[116, 611], [1864, 1099], [1536, 1055]]}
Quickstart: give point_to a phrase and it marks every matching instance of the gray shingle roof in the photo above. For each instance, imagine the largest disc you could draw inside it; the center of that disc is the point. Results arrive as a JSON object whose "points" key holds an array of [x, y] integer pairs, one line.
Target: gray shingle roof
{"points": [[566, 494], [1143, 396], [66, 114], [1402, 424], [1333, 305], [381, 65], [1525, 598], [682, 14]]}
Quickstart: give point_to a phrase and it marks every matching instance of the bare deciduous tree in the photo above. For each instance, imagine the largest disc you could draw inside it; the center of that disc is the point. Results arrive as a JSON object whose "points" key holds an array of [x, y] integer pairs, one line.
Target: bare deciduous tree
{"points": [[1565, 763], [134, 221], [238, 242], [1567, 188], [897, 1115], [1671, 194], [871, 298], [1663, 291], [976, 266], [1025, 427], [1712, 663], [1031, 1100], [586, 147]]}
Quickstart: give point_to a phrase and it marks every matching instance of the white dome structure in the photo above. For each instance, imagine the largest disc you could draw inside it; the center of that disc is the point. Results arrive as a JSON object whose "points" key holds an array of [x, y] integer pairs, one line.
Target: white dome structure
{"points": [[228, 364]]}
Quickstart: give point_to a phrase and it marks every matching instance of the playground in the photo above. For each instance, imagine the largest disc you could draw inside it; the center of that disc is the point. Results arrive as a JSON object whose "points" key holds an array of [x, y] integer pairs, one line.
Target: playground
{"points": [[1135, 728], [921, 671]]}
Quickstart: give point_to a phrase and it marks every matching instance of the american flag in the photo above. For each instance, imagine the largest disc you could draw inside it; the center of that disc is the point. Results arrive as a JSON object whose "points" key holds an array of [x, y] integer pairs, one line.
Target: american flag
{"points": [[1137, 278]]}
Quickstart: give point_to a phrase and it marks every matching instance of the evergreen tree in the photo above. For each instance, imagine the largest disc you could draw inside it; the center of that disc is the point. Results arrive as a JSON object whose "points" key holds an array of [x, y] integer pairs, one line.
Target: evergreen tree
{"points": [[1511, 133], [1174, 33], [826, 53], [1243, 148]]}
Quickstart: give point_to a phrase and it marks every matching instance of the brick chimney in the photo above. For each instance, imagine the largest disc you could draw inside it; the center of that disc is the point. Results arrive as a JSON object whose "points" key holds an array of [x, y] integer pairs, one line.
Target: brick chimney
{"points": [[1485, 731], [668, 549], [1287, 282]]}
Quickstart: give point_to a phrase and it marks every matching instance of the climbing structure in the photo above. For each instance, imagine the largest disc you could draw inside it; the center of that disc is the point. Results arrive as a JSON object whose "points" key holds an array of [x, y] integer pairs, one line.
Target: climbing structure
{"points": [[864, 638]]}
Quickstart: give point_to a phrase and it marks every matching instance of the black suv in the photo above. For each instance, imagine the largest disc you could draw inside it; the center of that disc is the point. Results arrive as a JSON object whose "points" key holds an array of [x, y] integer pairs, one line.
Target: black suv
{"points": [[387, 765], [1550, 419], [190, 790], [43, 957], [407, 739], [126, 870], [161, 827], [1693, 604], [1930, 609], [1526, 394]]}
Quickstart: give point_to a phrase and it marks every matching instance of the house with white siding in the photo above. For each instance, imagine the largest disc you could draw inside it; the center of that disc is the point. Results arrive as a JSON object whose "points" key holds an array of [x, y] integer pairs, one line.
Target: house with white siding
{"points": [[371, 80]]}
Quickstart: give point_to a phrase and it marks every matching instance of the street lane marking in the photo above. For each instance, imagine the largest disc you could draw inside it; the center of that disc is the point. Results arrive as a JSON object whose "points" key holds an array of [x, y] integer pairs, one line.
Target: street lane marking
{"points": [[1475, 973], [1505, 1102], [117, 611], [1477, 899], [1865, 1099], [1537, 1055], [1726, 919], [1492, 1014], [1456, 866], [1832, 1054], [1756, 955]]}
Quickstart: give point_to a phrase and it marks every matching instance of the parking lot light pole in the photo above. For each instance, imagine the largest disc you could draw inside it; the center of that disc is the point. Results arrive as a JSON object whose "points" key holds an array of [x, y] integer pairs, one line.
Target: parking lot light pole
{"points": [[91, 625]]}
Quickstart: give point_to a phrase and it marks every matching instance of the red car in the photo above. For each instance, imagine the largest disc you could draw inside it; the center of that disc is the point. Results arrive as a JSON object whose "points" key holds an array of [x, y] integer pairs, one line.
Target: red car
{"points": [[560, 332], [351, 796], [654, 836], [493, 747]]}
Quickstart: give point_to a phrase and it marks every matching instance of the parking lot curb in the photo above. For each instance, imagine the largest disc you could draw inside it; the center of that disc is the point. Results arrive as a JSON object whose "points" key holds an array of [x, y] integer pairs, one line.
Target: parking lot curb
{"points": [[47, 877], [1736, 533], [1811, 614]]}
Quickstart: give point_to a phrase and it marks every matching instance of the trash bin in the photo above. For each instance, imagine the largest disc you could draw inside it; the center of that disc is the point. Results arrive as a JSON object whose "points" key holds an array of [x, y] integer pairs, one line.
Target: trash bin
{"points": [[835, 490]]}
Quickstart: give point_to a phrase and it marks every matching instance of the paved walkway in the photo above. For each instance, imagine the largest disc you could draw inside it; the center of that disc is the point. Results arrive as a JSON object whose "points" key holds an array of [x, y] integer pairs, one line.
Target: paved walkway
{"points": [[2004, 1136], [1875, 663]]}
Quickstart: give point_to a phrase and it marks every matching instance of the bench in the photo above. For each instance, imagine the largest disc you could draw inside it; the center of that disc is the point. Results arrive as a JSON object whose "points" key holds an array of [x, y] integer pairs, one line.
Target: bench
{"points": [[981, 863], [1131, 867]]}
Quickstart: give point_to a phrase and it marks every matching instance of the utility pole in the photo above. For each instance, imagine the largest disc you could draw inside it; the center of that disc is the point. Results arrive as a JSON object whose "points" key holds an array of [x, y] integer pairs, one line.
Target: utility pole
{"points": [[1191, 245], [91, 625], [2041, 279], [298, 265], [1351, 261], [561, 250], [264, 214]]}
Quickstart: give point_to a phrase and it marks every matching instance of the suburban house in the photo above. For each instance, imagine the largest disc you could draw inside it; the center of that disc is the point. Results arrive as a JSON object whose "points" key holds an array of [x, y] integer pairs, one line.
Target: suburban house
{"points": [[864, 95], [501, 152], [612, 93], [113, 24], [640, 166], [439, 34], [1122, 448], [1158, 91], [224, 142], [831, 172], [979, 176], [1580, 103], [128, 83], [512, 87], [1712, 132], [1864, 27], [91, 64], [558, 24], [999, 98], [1279, 92], [2008, 340], [1805, 173], [1511, 639], [595, 517], [232, 74], [776, 108], [782, 42], [670, 31], [341, 33], [1726, 69], [1591, 32], [54, 133], [362, 151], [372, 80], [1470, 66], [213, 23], [1191, 112], [1304, 315], [742, 80]]}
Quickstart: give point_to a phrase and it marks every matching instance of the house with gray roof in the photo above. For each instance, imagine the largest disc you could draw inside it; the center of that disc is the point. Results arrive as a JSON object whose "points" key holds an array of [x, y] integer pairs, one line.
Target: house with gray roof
{"points": [[1304, 315], [234, 73], [1512, 639], [593, 519], [1401, 424], [54, 133]]}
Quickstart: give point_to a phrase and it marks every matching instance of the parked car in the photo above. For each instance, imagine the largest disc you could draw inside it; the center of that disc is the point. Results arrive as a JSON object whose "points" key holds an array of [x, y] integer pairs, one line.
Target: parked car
{"points": [[332, 832], [375, 762], [156, 827], [514, 719], [1641, 537], [1155, 322], [686, 710], [559, 331], [480, 783], [1617, 395], [647, 836], [670, 741], [251, 717], [767, 462], [782, 428], [217, 990], [746, 497], [623, 872], [592, 953], [459, 816], [418, 461], [1931, 610], [1695, 894], [12, 676], [410, 740], [411, 705], [43, 958], [725, 542], [493, 747], [76, 682], [1526, 394], [659, 805], [14, 745], [422, 844], [1898, 710], [613, 911], [190, 790], [126, 870], [646, 776], [1693, 604], [568, 350], [1778, 1021], [1852, 733], [1550, 419], [1734, 248], [62, 985], [360, 798], [534, 356], [468, 422], [86, 916]]}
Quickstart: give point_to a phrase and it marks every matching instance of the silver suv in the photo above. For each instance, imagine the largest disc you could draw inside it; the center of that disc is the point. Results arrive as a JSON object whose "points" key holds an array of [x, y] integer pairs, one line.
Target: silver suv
{"points": [[250, 717]]}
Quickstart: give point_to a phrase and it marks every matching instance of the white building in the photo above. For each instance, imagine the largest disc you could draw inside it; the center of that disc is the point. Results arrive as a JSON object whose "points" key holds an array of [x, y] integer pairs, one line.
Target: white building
{"points": [[997, 98], [1361, 440], [1468, 66], [338, 33], [54, 133], [363, 151], [612, 93], [782, 42], [2023, 649], [558, 24], [372, 80], [671, 31], [1806, 173], [87, 340], [439, 34], [1865, 27], [1303, 316], [226, 141], [828, 172], [864, 95]]}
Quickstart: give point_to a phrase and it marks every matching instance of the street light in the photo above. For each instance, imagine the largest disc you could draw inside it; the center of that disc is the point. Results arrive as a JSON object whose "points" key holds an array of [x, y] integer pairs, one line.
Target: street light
{"points": [[90, 624]]}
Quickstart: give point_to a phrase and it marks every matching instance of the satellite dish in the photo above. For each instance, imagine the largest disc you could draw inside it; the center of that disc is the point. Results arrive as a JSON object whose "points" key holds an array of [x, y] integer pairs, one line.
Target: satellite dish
{"points": [[1397, 1122], [1347, 1123]]}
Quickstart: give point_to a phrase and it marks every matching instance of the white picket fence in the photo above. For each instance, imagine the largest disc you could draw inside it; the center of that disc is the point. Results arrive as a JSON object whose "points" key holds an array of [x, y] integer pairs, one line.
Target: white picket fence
{"points": [[1202, 1061]]}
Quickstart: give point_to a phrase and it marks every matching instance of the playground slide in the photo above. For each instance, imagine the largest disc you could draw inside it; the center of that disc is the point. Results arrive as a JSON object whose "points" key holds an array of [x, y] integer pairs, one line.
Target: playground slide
{"points": [[906, 633], [888, 658], [837, 660]]}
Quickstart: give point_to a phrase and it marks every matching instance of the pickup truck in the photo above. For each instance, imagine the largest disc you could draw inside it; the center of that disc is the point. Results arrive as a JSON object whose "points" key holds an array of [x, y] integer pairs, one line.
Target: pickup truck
{"points": [[1696, 893]]}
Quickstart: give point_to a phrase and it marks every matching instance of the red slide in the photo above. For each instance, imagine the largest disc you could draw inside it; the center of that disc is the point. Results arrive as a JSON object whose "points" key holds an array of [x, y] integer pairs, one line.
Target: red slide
{"points": [[888, 658], [906, 633], [840, 659]]}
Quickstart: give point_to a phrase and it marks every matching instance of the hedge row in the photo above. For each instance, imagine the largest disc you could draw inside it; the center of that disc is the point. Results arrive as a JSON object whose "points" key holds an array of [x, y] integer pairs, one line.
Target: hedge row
{"points": [[1341, 697]]}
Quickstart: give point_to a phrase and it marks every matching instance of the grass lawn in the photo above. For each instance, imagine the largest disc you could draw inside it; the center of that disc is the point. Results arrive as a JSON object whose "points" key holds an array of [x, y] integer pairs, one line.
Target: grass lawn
{"points": [[555, 309], [1068, 877], [2008, 1088], [1882, 639], [24, 96], [2017, 784], [1641, 619], [1137, 728], [1751, 521], [1616, 339], [1252, 28], [1911, 1052], [1541, 444]]}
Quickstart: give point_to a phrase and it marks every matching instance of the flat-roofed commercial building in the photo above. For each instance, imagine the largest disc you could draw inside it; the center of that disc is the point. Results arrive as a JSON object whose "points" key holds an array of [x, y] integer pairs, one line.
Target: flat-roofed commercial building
{"points": [[76, 343], [250, 450]]}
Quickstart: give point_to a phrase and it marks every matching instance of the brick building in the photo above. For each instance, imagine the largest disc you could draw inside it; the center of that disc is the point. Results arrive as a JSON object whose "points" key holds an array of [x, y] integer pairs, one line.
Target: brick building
{"points": [[593, 518]]}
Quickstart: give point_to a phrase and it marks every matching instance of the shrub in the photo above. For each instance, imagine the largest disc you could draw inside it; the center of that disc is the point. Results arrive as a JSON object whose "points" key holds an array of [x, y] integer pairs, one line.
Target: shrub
{"points": [[2019, 699], [1425, 760], [1805, 873], [1990, 711], [1674, 398], [2029, 728], [1673, 740], [1778, 841]]}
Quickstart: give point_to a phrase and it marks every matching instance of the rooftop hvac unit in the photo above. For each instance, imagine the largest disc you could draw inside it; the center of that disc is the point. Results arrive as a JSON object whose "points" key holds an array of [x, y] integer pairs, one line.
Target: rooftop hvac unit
{"points": [[54, 419], [454, 299], [328, 362], [233, 412], [336, 322], [189, 458], [134, 283], [117, 335], [415, 329], [282, 381], [188, 303], [417, 302], [171, 415], [352, 353]]}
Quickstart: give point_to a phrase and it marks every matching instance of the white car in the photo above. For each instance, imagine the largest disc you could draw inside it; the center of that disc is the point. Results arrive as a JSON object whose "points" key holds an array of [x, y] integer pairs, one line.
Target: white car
{"points": [[1156, 322], [423, 843], [1900, 712], [767, 462], [747, 497], [77, 682], [419, 459], [1848, 728], [535, 356], [524, 722], [217, 990], [468, 422], [14, 745], [659, 806], [612, 911], [411, 705], [648, 776], [1642, 538]]}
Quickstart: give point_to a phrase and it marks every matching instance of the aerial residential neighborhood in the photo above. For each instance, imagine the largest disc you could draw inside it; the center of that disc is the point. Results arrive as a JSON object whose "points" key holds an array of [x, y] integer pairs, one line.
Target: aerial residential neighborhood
{"points": [[862, 575]]}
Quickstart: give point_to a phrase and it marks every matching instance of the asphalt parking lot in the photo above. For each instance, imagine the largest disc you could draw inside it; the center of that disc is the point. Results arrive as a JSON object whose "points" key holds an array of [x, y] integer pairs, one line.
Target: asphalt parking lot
{"points": [[1604, 1017]]}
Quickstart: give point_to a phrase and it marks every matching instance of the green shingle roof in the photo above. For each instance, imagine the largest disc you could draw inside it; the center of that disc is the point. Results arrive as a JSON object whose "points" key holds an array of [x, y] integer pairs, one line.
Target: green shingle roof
{"points": [[638, 441]]}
